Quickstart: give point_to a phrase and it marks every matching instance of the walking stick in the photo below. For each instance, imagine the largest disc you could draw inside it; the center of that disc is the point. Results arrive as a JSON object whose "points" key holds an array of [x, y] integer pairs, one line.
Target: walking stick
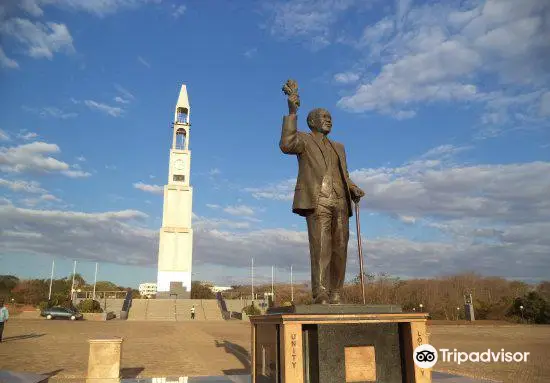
{"points": [[360, 248]]}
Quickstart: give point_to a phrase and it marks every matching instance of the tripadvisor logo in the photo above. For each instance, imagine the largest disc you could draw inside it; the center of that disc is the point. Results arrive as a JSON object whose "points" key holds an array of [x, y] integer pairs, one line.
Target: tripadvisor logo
{"points": [[426, 356]]}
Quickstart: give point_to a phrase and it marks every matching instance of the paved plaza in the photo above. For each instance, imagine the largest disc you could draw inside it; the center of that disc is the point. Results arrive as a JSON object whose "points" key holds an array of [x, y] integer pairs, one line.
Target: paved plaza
{"points": [[173, 349]]}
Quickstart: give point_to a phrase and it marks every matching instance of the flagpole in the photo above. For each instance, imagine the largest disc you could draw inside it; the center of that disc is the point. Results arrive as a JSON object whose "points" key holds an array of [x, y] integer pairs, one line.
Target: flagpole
{"points": [[95, 280], [51, 280], [72, 285], [291, 286], [252, 273]]}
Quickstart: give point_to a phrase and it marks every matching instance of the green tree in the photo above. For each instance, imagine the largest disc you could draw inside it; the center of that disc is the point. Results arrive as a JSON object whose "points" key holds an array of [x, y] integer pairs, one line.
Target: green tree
{"points": [[252, 310], [7, 284], [31, 291], [532, 307], [106, 286], [200, 290], [79, 281], [89, 306]]}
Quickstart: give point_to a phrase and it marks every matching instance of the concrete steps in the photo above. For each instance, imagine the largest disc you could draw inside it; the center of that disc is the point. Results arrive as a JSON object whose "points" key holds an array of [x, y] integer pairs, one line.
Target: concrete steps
{"points": [[174, 310]]}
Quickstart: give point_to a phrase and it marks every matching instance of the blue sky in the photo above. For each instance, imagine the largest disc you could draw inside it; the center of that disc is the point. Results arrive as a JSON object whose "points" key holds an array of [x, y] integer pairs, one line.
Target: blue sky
{"points": [[443, 107]]}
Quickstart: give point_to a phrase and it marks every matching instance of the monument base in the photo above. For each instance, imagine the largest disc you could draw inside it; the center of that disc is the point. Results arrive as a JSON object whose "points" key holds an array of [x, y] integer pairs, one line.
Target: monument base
{"points": [[169, 295], [337, 344]]}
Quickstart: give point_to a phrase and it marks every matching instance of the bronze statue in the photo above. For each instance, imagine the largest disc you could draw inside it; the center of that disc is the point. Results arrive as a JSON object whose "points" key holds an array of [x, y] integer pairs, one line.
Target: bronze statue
{"points": [[323, 195]]}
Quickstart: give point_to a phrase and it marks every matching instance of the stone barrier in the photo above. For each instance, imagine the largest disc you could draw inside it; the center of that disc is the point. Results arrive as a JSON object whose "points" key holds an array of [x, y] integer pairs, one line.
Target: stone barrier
{"points": [[104, 360]]}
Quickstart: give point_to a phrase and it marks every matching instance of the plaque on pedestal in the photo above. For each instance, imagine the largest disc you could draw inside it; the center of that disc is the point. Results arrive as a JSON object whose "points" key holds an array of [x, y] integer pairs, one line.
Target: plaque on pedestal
{"points": [[337, 344]]}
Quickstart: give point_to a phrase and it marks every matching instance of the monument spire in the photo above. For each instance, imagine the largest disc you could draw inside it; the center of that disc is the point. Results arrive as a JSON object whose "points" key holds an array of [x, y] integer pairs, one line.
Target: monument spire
{"points": [[176, 235]]}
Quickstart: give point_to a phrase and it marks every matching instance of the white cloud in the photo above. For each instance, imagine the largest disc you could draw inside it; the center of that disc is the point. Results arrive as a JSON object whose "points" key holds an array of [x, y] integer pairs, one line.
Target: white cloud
{"points": [[124, 92], [50, 197], [544, 109], [239, 210], [214, 172], [309, 20], [249, 53], [4, 136], [97, 7], [22, 186], [110, 236], [443, 53], [35, 156], [51, 112], [488, 215], [178, 10], [24, 135], [44, 200], [76, 173], [110, 110], [346, 77], [155, 189], [6, 62], [144, 62], [41, 40], [407, 219], [118, 237], [203, 223], [213, 206], [121, 100], [404, 114], [435, 187], [81, 158], [283, 191]]}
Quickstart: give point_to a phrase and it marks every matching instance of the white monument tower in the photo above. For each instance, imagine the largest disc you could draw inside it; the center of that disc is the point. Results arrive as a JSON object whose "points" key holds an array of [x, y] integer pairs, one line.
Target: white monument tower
{"points": [[176, 234]]}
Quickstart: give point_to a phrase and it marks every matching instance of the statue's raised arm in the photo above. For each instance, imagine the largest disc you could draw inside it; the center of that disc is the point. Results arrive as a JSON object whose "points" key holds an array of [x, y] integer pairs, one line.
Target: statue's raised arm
{"points": [[290, 88]]}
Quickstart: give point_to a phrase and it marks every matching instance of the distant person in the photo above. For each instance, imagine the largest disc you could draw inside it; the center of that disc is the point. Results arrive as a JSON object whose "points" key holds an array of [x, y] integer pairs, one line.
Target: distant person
{"points": [[193, 312], [4, 315]]}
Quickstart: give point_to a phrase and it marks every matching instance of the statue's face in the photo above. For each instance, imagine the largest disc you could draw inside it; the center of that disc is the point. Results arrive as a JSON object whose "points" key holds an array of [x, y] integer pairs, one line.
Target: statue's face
{"points": [[324, 121]]}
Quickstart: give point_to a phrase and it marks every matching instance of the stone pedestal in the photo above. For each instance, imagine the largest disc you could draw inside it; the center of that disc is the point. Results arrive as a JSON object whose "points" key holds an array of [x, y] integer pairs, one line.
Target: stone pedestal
{"points": [[104, 360], [337, 344]]}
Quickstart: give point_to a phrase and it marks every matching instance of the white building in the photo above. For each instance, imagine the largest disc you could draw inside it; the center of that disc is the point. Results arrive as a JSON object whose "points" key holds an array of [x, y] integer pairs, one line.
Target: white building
{"points": [[147, 289], [217, 289], [176, 234]]}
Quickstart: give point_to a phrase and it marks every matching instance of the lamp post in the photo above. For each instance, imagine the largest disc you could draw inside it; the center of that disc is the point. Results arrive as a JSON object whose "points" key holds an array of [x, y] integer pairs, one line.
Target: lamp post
{"points": [[457, 313], [421, 305], [95, 281], [291, 287], [252, 277], [521, 310]]}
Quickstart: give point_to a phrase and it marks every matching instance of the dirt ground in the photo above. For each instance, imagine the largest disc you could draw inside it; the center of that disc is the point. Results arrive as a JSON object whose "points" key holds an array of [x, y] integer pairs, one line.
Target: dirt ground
{"points": [[150, 349]]}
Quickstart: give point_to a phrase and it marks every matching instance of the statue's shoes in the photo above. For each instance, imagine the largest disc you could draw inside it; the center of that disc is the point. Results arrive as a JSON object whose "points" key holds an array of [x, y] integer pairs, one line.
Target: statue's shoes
{"points": [[321, 299], [334, 298]]}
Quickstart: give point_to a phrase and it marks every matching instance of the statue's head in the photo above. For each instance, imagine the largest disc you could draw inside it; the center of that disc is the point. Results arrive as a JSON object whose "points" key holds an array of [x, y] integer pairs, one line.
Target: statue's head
{"points": [[319, 120]]}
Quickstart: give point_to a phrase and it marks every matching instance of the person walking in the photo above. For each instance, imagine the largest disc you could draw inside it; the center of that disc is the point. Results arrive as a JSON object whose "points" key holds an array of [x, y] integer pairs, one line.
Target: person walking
{"points": [[193, 312], [4, 315]]}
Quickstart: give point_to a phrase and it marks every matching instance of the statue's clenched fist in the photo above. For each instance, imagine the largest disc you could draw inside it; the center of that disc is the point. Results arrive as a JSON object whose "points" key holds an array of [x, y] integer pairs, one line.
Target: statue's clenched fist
{"points": [[290, 88]]}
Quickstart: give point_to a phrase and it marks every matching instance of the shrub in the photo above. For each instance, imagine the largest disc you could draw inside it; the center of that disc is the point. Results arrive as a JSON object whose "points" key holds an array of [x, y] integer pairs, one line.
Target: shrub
{"points": [[90, 306], [252, 310], [535, 308]]}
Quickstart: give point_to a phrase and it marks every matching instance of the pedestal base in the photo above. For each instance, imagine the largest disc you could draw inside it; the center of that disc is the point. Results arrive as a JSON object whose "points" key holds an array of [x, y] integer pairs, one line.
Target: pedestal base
{"points": [[104, 360], [337, 347]]}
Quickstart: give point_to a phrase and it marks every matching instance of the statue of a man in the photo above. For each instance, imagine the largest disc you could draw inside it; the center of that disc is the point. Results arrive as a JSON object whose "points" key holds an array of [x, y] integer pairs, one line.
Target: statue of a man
{"points": [[323, 195]]}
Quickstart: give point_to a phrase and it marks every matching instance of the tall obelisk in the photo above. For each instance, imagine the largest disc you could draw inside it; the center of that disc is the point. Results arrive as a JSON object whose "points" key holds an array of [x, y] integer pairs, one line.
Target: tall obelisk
{"points": [[176, 234]]}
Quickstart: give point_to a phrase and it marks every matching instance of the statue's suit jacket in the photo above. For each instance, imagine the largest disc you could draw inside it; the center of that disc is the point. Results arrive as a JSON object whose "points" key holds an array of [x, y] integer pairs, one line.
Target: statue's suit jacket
{"points": [[311, 166]]}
